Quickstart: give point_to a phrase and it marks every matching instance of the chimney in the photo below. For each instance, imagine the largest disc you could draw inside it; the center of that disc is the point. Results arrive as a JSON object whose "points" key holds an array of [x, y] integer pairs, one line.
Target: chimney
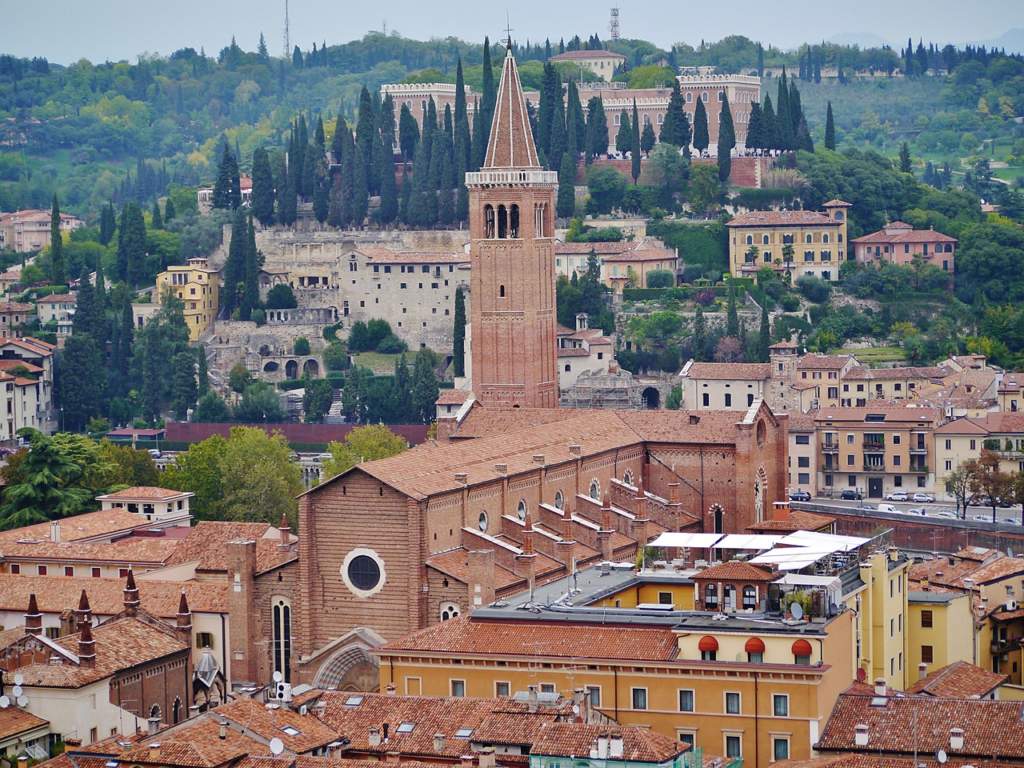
{"points": [[538, 458], [924, 584], [894, 554], [131, 594], [285, 532], [880, 689], [384, 732], [154, 752], [532, 699], [860, 735], [153, 724], [33, 618], [84, 613], [183, 621], [461, 478], [481, 577], [466, 761], [439, 742], [374, 737], [575, 449], [956, 739], [222, 730], [528, 535], [604, 533], [922, 670], [501, 469], [615, 745], [580, 705], [86, 647], [390, 690], [55, 531], [22, 760], [392, 756], [485, 757]]}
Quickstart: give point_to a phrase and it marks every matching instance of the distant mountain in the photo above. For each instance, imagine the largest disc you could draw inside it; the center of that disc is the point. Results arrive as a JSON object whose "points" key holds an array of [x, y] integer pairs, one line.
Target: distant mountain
{"points": [[1012, 40], [862, 39]]}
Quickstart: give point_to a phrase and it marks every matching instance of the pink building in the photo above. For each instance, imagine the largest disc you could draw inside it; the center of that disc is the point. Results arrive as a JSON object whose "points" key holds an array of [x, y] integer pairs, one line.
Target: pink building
{"points": [[898, 243]]}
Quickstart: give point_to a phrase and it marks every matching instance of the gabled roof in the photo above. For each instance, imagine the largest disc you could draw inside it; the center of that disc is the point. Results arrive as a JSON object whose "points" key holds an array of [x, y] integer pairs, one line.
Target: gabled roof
{"points": [[583, 55], [575, 740], [298, 733], [959, 679], [15, 721], [730, 371], [734, 570], [511, 140], [781, 219]]}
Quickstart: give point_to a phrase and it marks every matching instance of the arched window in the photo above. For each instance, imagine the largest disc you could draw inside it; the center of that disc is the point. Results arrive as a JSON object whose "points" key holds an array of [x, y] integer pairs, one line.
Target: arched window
{"points": [[808, 238], [489, 221], [513, 221], [839, 215], [502, 222], [750, 239], [282, 637], [521, 509], [449, 611], [176, 711], [802, 652], [708, 648], [595, 490], [481, 521], [824, 237], [764, 239], [627, 477], [559, 499], [749, 596], [154, 711], [718, 515], [711, 596], [501, 291], [755, 650]]}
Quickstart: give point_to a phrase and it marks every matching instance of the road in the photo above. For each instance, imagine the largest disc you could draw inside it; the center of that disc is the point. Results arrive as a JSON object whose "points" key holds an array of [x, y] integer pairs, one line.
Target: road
{"points": [[1010, 515]]}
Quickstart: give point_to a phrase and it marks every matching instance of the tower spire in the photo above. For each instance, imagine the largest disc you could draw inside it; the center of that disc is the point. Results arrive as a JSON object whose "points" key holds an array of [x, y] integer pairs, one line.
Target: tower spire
{"points": [[511, 140]]}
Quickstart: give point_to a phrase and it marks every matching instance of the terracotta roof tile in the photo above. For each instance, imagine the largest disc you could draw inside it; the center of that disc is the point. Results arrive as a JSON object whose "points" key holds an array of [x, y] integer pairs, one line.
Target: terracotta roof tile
{"points": [[575, 740], [128, 550], [58, 298], [780, 219], [205, 544], [455, 563], [822, 362], [299, 733], [511, 139], [727, 371], [503, 638], [453, 396], [797, 520], [88, 525], [959, 679], [863, 373], [998, 570], [14, 721], [734, 570], [146, 492], [193, 744]]}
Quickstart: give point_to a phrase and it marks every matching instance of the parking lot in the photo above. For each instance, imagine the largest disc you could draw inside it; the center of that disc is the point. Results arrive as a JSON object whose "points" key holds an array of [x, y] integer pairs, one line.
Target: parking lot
{"points": [[935, 510]]}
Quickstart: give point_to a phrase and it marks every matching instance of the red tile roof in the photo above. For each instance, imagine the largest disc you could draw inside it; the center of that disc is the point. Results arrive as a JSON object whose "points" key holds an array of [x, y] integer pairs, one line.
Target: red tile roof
{"points": [[89, 525], [781, 219], [15, 721], [205, 545], [511, 138], [192, 744], [575, 740], [823, 362], [797, 520], [734, 570], [299, 733], [727, 371], [898, 234], [504, 638], [863, 373], [455, 563], [959, 679], [144, 492], [453, 396]]}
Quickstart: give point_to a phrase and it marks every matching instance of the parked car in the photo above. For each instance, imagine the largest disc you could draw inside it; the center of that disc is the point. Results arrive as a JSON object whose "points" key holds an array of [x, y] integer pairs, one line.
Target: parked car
{"points": [[897, 496], [799, 496], [917, 511], [923, 498], [851, 494], [945, 514], [888, 508], [982, 518], [155, 453]]}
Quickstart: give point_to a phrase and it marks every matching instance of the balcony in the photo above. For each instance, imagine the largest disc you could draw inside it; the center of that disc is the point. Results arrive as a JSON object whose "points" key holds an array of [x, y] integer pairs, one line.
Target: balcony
{"points": [[874, 467], [874, 446], [828, 447], [918, 450], [919, 469]]}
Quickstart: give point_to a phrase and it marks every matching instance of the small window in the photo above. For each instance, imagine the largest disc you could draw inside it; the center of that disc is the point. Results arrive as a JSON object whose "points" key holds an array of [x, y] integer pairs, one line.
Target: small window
{"points": [[406, 727], [595, 490], [780, 748], [732, 703], [463, 733], [481, 521], [41, 569], [96, 573], [926, 619], [559, 499], [926, 654], [204, 640], [521, 509], [69, 570], [780, 705], [733, 746], [458, 688], [639, 698], [502, 689], [594, 693], [686, 701]]}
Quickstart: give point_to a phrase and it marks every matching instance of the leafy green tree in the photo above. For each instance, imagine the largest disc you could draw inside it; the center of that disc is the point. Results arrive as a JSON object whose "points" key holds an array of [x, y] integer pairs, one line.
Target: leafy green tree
{"points": [[56, 245], [660, 278], [239, 378], [259, 404], [46, 488], [301, 346], [367, 443], [335, 356], [184, 389], [127, 466], [316, 399], [211, 408], [170, 214], [281, 296], [606, 187], [262, 187], [675, 398], [830, 129], [198, 470], [163, 337], [424, 387], [704, 189], [459, 334], [701, 137]]}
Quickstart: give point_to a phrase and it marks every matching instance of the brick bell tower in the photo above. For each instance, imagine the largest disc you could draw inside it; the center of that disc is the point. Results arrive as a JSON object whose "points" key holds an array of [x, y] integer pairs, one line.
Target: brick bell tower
{"points": [[512, 282]]}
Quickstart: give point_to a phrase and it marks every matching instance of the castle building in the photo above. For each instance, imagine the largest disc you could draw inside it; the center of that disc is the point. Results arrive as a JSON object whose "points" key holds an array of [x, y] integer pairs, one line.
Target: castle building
{"points": [[512, 279]]}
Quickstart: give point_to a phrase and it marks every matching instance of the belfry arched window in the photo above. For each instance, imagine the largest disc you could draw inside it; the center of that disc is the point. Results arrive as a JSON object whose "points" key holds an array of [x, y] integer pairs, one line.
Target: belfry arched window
{"points": [[502, 222], [513, 221], [489, 221]]}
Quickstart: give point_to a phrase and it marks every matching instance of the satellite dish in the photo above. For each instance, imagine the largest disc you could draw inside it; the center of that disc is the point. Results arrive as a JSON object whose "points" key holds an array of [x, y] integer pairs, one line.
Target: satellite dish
{"points": [[5, 702], [23, 701], [16, 691], [575, 709], [18, 678], [941, 756], [276, 746], [797, 610], [278, 677]]}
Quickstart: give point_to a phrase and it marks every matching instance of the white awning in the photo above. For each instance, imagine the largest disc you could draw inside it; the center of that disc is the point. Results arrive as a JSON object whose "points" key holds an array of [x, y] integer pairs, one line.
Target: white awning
{"points": [[823, 541], [755, 542], [686, 540]]}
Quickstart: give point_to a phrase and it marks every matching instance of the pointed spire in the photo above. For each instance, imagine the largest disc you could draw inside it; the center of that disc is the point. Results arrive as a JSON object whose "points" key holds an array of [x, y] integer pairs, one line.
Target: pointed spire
{"points": [[86, 647], [33, 618], [131, 594], [184, 618], [285, 531], [83, 615], [511, 140]]}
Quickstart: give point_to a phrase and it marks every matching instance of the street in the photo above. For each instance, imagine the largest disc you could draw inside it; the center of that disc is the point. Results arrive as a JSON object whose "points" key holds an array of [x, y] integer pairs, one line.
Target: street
{"points": [[1007, 516]]}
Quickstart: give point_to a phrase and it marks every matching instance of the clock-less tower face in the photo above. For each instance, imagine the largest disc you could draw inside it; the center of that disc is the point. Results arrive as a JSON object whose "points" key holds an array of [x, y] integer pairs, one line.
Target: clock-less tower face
{"points": [[512, 282]]}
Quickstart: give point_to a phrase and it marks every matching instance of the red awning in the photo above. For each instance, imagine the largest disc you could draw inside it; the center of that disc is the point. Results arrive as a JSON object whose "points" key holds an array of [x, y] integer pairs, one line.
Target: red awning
{"points": [[802, 648], [754, 645], [707, 643]]}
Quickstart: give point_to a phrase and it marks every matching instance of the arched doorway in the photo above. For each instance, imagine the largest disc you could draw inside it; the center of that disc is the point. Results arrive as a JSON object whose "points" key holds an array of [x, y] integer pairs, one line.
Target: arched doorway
{"points": [[760, 485], [652, 398], [311, 368], [291, 369], [352, 668]]}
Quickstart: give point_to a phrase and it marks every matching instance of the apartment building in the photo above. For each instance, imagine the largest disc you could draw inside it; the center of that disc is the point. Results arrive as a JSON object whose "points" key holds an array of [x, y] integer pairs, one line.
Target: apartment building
{"points": [[963, 440], [876, 450], [29, 230], [198, 286], [940, 632], [796, 243], [899, 243], [622, 262], [861, 385], [803, 454]]}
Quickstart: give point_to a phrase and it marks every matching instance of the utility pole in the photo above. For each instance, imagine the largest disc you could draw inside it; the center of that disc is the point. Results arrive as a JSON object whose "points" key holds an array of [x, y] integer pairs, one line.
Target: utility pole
{"points": [[287, 36], [613, 24]]}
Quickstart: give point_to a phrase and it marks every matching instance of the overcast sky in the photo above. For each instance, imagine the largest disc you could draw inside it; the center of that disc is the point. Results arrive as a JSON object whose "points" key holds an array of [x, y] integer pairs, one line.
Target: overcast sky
{"points": [[66, 30]]}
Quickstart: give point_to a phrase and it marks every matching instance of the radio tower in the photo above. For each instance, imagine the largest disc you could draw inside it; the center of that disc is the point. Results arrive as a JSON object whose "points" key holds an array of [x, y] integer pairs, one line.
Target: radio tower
{"points": [[613, 24], [287, 40]]}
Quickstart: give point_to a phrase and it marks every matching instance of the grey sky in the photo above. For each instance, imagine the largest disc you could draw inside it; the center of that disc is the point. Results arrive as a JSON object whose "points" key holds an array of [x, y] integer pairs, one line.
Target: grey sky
{"points": [[66, 30]]}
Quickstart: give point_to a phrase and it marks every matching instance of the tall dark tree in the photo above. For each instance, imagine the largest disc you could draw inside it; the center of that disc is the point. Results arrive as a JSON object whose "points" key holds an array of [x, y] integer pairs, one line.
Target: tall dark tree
{"points": [[131, 246], [88, 317], [755, 128], [366, 130], [906, 164], [675, 129], [764, 337], [566, 202], [488, 98], [80, 388], [769, 125], [459, 334], [287, 195], [408, 133], [597, 129], [726, 141], [223, 187], [234, 266], [701, 136], [551, 110], [321, 188], [624, 138], [202, 373], [169, 213], [559, 140], [575, 124], [830, 129], [250, 277], [108, 222], [262, 187], [647, 139], [155, 218], [56, 245], [699, 338], [732, 320], [634, 167], [184, 391], [784, 116]]}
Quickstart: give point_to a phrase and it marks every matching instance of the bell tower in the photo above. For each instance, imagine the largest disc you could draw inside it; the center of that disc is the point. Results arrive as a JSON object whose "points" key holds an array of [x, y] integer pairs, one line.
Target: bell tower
{"points": [[512, 280]]}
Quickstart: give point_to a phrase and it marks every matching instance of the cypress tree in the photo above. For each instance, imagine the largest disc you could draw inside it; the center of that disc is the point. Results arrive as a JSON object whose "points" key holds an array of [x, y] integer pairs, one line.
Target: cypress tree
{"points": [[459, 335], [365, 123], [463, 145], [222, 187], [234, 266], [905, 163], [558, 143], [334, 208], [408, 133], [388, 210], [204, 376], [321, 189], [486, 110], [764, 337], [575, 125], [101, 291], [360, 191], [675, 129], [550, 108], [830, 129], [262, 187], [56, 245], [597, 129], [699, 339], [250, 278], [701, 137], [784, 116], [769, 126], [156, 220], [566, 202], [108, 222], [183, 384], [755, 128], [647, 140], [634, 166], [803, 136], [309, 173], [725, 124], [131, 246], [169, 212], [732, 321], [88, 318], [624, 138]]}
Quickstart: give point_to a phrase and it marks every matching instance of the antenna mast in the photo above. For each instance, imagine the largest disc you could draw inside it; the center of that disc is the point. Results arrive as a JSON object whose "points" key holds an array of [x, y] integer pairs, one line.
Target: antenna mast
{"points": [[287, 36], [613, 24]]}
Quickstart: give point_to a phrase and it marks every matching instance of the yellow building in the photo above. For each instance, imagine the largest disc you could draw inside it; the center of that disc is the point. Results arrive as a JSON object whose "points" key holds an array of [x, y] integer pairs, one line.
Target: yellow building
{"points": [[198, 286], [963, 440], [940, 631], [794, 242]]}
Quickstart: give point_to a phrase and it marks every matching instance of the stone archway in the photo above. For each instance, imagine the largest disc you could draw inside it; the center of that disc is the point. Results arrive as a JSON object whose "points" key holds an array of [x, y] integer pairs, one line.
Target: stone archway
{"points": [[351, 668], [291, 369], [311, 368], [652, 398]]}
